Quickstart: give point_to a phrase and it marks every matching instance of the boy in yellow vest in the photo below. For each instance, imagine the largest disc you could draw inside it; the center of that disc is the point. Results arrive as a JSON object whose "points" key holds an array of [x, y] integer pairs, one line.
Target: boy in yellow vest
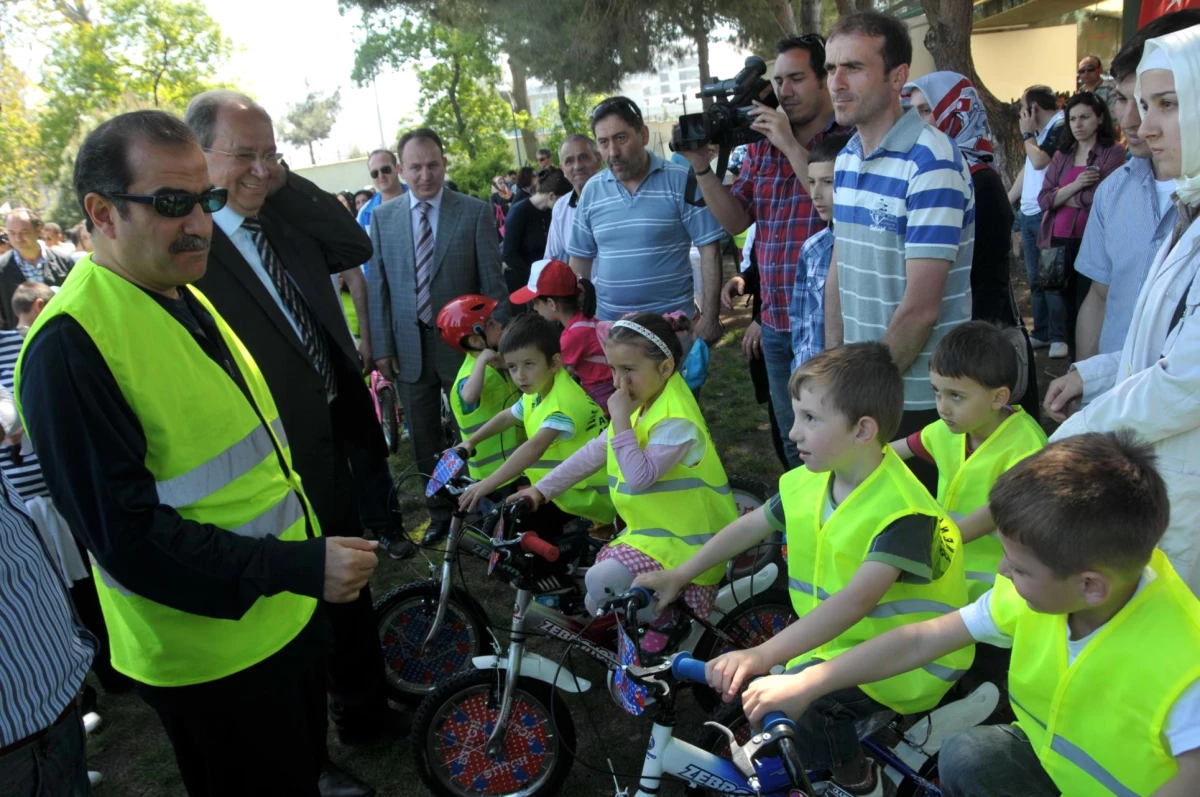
{"points": [[559, 418], [482, 388], [868, 550], [973, 371], [1105, 673]]}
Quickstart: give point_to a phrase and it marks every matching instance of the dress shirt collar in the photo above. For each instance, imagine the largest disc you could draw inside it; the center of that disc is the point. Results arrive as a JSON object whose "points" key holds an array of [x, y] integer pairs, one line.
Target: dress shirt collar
{"points": [[436, 202], [41, 258], [229, 220]]}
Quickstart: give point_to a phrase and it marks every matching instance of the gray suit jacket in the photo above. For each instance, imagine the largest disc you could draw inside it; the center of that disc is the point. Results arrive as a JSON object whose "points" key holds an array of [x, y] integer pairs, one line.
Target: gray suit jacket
{"points": [[466, 259]]}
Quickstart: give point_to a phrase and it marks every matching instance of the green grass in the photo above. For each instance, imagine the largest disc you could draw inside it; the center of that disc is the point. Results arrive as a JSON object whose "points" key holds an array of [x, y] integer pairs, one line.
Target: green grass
{"points": [[135, 757]]}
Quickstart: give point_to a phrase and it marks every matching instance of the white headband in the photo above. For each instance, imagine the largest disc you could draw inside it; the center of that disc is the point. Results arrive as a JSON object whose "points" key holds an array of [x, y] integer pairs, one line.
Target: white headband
{"points": [[648, 335]]}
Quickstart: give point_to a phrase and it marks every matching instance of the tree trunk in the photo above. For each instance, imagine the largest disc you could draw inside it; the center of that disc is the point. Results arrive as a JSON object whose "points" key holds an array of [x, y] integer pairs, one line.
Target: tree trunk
{"points": [[564, 109], [785, 15], [520, 95], [311, 155], [810, 16], [949, 42], [459, 124], [700, 34]]}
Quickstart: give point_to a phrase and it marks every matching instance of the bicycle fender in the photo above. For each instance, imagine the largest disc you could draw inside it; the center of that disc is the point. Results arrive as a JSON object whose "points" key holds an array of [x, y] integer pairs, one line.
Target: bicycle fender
{"points": [[539, 668]]}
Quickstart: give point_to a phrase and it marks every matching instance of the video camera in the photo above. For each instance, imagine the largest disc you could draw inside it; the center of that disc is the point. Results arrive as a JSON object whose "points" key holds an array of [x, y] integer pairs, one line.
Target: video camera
{"points": [[727, 122]]}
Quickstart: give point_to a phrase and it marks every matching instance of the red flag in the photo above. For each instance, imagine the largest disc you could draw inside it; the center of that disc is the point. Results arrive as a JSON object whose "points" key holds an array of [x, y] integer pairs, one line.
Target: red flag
{"points": [[1153, 9]]}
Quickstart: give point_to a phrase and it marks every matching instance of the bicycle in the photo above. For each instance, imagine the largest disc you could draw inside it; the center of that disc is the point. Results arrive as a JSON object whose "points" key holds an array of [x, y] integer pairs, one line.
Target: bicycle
{"points": [[430, 630], [528, 748]]}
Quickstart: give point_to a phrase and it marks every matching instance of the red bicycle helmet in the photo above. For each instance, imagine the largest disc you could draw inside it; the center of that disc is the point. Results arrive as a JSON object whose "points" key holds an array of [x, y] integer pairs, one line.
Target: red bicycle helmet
{"points": [[464, 316]]}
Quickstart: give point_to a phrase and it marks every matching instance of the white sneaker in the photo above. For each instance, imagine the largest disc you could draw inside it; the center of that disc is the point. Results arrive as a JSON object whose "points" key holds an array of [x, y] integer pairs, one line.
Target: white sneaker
{"points": [[1058, 351], [94, 777], [1038, 343], [91, 721]]}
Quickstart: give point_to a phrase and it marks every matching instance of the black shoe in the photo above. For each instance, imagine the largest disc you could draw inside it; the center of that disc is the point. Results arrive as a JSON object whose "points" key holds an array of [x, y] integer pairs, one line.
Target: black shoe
{"points": [[391, 723], [438, 530], [337, 782], [398, 546]]}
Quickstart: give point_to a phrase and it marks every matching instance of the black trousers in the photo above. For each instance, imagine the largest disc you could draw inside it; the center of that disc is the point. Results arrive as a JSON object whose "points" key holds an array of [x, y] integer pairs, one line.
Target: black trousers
{"points": [[259, 731], [354, 665], [422, 402], [52, 765], [915, 421]]}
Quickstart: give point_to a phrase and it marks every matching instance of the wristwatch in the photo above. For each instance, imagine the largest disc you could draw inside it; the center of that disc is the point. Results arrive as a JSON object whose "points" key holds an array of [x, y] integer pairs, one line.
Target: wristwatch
{"points": [[1027, 136]]}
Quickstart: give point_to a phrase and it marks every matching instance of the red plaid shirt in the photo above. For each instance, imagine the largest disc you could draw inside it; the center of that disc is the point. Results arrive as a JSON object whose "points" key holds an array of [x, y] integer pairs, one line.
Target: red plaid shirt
{"points": [[769, 190]]}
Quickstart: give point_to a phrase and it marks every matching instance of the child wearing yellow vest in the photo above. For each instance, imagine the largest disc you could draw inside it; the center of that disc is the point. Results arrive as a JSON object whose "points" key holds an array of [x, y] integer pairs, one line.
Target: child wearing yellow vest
{"points": [[1105, 637], [973, 370], [558, 417], [868, 550], [482, 388], [663, 471]]}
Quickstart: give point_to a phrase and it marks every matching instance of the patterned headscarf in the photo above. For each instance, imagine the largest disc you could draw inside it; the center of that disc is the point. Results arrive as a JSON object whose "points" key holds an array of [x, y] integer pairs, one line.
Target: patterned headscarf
{"points": [[958, 112]]}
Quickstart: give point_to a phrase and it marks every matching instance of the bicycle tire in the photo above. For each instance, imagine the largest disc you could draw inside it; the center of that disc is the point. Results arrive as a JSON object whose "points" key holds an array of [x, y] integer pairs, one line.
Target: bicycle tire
{"points": [[402, 619], [750, 623], [451, 727], [387, 419]]}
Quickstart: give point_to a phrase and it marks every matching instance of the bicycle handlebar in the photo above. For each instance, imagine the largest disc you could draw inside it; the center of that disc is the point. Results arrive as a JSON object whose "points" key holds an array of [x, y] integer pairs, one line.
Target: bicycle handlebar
{"points": [[685, 668], [532, 543]]}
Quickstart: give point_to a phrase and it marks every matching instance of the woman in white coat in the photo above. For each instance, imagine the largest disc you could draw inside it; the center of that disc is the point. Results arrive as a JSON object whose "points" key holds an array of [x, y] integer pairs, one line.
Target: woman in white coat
{"points": [[1153, 385]]}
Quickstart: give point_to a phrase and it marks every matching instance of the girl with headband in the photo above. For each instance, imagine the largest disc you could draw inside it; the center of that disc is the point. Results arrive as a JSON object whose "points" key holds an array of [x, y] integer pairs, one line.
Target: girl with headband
{"points": [[665, 477]]}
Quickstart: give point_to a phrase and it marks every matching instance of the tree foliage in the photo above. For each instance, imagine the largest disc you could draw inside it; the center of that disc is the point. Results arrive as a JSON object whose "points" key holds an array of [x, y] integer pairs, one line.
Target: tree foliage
{"points": [[311, 120], [156, 52], [22, 162]]}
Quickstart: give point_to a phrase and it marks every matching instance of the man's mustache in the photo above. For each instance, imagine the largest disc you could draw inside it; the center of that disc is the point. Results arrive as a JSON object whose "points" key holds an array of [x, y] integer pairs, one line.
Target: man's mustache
{"points": [[190, 243]]}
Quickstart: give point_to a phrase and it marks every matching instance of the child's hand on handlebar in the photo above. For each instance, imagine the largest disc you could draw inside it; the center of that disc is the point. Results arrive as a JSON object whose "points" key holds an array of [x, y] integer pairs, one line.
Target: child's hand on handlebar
{"points": [[727, 673], [532, 494], [787, 693], [470, 498], [666, 586]]}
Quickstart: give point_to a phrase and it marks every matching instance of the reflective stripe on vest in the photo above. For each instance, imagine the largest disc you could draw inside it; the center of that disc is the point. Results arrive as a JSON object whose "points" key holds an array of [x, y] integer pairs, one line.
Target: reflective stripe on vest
{"points": [[671, 519], [824, 555], [1079, 758], [232, 463]]}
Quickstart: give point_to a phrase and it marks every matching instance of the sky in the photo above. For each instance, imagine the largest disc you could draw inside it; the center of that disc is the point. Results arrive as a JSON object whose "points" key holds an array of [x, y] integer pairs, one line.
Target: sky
{"points": [[279, 47]]}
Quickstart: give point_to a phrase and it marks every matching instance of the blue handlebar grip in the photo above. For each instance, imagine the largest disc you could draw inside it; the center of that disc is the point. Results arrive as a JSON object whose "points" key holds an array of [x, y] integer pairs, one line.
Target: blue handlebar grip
{"points": [[685, 668], [644, 598], [774, 718]]}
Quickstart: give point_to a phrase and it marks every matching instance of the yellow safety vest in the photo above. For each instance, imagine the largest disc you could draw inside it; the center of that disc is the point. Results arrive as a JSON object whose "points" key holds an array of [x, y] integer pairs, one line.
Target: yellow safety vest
{"points": [[589, 498], [964, 482], [498, 394], [670, 520], [217, 459], [1097, 725], [824, 556]]}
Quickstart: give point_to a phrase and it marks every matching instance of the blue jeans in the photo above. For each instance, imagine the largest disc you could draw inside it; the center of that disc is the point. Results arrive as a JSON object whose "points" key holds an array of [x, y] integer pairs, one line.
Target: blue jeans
{"points": [[1049, 310], [992, 761], [777, 354]]}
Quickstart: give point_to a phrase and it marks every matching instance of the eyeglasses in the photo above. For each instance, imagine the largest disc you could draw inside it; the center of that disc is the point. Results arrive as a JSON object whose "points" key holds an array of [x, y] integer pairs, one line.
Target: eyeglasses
{"points": [[381, 170], [615, 105], [247, 157], [1084, 69], [176, 206]]}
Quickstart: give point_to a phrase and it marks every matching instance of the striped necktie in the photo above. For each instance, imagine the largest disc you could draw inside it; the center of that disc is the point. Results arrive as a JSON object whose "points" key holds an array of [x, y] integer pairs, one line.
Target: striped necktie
{"points": [[424, 263], [311, 333]]}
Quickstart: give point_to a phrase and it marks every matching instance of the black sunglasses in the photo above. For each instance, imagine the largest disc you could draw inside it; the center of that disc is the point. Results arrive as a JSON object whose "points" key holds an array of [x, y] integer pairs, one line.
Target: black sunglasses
{"points": [[176, 206], [381, 170], [611, 105], [1086, 69]]}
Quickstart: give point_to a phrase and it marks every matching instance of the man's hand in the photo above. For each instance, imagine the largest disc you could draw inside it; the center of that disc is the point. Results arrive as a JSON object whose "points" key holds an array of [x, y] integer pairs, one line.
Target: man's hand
{"points": [[786, 693], [349, 562], [531, 494], [1061, 393], [620, 403], [698, 158], [727, 673], [364, 352], [775, 125], [1025, 122], [709, 328], [15, 437], [666, 585], [735, 287], [389, 367], [752, 341]]}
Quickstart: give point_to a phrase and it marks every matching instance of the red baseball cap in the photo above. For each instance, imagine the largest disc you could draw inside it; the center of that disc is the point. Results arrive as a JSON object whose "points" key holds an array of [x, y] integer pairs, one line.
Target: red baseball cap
{"points": [[547, 278]]}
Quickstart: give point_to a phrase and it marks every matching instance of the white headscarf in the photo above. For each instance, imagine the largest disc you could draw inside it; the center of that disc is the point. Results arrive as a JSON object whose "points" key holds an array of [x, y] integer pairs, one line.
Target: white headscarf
{"points": [[1179, 52]]}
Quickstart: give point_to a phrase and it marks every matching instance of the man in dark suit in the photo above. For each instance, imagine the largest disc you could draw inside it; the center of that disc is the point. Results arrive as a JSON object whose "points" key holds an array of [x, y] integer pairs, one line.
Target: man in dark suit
{"points": [[275, 245], [431, 246], [29, 261]]}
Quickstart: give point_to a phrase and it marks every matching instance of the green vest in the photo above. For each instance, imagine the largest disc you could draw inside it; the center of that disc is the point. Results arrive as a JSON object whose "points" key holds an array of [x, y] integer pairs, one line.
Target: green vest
{"points": [[964, 482], [1097, 725], [498, 394], [589, 498], [670, 520], [823, 557], [217, 459]]}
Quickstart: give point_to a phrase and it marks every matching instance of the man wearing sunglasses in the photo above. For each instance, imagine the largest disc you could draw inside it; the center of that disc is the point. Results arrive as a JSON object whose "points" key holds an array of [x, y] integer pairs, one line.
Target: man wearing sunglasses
{"points": [[385, 176], [166, 454], [1091, 77], [30, 259]]}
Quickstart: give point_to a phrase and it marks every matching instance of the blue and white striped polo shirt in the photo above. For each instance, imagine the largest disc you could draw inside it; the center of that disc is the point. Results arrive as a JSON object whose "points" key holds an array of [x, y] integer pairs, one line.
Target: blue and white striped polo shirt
{"points": [[640, 242], [909, 199]]}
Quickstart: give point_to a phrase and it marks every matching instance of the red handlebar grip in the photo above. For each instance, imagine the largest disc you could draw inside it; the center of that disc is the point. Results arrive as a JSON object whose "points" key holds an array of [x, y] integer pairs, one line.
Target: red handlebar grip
{"points": [[532, 543]]}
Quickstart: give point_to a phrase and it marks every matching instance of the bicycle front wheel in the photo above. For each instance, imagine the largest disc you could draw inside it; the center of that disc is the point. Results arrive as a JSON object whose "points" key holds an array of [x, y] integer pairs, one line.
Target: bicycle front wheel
{"points": [[451, 730]]}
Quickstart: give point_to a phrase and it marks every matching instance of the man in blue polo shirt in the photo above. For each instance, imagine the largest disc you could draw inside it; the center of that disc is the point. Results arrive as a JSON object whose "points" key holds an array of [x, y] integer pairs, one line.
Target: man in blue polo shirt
{"points": [[903, 212], [637, 220]]}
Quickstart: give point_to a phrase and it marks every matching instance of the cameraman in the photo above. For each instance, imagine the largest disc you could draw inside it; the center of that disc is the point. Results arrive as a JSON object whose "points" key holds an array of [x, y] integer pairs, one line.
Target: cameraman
{"points": [[770, 191]]}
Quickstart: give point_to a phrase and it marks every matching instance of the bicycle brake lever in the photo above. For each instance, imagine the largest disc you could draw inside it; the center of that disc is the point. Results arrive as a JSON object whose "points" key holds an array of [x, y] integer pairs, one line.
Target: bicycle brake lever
{"points": [[729, 737]]}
